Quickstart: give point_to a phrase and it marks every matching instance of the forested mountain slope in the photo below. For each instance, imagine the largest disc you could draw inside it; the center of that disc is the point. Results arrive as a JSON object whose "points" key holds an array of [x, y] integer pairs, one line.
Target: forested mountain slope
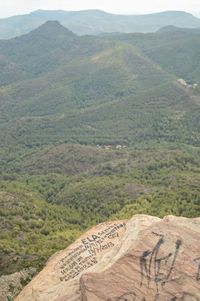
{"points": [[175, 49], [90, 90]]}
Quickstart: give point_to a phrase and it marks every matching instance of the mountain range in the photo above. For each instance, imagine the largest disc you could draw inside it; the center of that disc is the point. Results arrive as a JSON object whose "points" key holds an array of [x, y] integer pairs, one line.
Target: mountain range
{"points": [[96, 22], [118, 89]]}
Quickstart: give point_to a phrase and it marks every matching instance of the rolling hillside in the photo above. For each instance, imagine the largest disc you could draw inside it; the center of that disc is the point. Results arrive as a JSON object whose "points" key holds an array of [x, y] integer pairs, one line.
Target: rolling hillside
{"points": [[89, 90]]}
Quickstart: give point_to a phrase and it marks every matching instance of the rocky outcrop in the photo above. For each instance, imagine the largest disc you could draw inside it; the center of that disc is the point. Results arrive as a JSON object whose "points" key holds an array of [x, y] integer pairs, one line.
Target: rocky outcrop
{"points": [[144, 259], [61, 276]]}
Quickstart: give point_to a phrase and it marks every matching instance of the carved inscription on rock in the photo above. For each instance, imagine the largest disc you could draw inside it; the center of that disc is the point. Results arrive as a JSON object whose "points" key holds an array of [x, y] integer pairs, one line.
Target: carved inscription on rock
{"points": [[89, 250]]}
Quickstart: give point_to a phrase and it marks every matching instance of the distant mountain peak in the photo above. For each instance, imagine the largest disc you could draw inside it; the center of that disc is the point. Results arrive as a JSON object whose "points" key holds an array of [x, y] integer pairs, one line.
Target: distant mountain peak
{"points": [[172, 28], [169, 28], [49, 32], [52, 23], [53, 27]]}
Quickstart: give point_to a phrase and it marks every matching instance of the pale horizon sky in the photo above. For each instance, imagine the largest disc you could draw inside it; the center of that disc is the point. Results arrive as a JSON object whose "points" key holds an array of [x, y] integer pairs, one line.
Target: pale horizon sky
{"points": [[16, 7]]}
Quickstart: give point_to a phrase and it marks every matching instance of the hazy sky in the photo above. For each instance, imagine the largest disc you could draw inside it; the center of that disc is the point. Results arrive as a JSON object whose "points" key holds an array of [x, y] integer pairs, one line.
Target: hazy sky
{"points": [[14, 7]]}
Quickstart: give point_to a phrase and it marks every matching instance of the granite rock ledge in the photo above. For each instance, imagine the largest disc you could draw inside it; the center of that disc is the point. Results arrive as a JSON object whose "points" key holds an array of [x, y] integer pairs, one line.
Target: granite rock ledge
{"points": [[141, 259]]}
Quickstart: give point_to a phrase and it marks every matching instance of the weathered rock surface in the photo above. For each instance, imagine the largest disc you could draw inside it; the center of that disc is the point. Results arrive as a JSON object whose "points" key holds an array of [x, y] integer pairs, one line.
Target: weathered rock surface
{"points": [[144, 259], [61, 276]]}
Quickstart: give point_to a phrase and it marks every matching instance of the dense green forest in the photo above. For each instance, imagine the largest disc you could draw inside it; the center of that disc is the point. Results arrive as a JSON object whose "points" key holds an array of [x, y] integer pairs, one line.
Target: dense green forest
{"points": [[94, 128], [51, 196]]}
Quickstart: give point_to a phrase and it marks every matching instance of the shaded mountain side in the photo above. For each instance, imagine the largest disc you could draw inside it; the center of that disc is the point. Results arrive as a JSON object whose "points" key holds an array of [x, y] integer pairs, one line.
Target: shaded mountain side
{"points": [[174, 49], [96, 21], [107, 74], [176, 28], [43, 50]]}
